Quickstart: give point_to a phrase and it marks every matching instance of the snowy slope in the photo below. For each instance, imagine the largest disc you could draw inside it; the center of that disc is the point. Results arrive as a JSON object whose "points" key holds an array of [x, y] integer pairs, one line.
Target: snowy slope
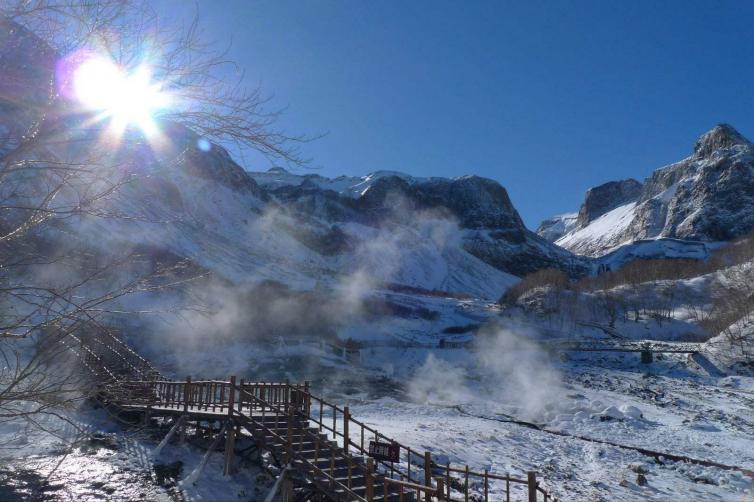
{"points": [[605, 233], [654, 249], [245, 240]]}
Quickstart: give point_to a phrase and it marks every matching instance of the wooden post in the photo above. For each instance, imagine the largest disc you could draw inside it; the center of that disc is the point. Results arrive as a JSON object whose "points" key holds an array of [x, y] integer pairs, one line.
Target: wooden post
{"points": [[307, 399], [186, 394], [289, 438], [370, 480], [440, 493], [532, 483], [427, 475], [346, 419], [333, 445], [240, 396], [230, 446], [153, 393], [486, 486], [316, 449], [447, 478], [286, 489], [231, 395], [182, 430], [350, 470], [466, 485]]}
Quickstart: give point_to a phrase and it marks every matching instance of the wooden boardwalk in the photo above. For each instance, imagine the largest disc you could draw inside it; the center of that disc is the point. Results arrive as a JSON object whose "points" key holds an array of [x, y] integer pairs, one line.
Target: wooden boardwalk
{"points": [[324, 447]]}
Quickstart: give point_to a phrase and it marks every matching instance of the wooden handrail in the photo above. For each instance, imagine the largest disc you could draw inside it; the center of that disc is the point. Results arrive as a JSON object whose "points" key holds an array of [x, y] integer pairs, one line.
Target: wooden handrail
{"points": [[291, 452], [413, 486], [284, 398], [411, 455]]}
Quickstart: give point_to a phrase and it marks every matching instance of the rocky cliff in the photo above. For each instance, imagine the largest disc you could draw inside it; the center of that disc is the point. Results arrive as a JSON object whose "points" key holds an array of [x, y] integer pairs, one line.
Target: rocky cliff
{"points": [[706, 197]]}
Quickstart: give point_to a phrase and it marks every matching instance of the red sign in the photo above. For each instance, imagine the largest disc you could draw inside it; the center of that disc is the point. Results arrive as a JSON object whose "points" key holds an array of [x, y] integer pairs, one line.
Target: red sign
{"points": [[389, 452]]}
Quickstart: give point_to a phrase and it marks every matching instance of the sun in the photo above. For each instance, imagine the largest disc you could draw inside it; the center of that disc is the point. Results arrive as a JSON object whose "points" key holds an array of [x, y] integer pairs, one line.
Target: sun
{"points": [[127, 99]]}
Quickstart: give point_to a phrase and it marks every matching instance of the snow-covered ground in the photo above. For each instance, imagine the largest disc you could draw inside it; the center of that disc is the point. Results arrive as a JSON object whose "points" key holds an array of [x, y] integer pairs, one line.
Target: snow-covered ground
{"points": [[589, 414], [668, 407], [91, 456]]}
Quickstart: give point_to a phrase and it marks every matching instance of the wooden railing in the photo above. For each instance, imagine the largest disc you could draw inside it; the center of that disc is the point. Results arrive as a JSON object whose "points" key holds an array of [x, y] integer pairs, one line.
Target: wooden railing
{"points": [[292, 447], [104, 353], [415, 470], [413, 465], [114, 365], [298, 406]]}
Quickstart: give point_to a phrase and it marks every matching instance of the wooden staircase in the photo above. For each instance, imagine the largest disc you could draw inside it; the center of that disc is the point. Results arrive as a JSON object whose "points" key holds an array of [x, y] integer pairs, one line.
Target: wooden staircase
{"points": [[335, 472], [325, 448]]}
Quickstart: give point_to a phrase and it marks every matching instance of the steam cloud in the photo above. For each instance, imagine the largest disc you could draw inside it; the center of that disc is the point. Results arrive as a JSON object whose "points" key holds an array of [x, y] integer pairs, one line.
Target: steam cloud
{"points": [[506, 367]]}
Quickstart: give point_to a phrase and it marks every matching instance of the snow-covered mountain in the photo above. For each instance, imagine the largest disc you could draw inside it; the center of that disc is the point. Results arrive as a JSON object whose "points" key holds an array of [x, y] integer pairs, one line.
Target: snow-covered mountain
{"points": [[557, 226], [459, 235], [706, 197]]}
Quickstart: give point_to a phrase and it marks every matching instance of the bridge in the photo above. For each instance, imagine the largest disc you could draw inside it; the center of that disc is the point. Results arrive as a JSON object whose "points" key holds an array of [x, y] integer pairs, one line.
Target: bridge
{"points": [[647, 349], [321, 448], [652, 346]]}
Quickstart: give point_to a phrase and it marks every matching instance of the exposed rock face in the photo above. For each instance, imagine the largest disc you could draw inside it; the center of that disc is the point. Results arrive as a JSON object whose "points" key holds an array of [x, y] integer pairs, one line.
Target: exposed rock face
{"points": [[556, 227], [492, 228], [476, 203], [723, 136], [598, 201], [606, 197], [707, 197]]}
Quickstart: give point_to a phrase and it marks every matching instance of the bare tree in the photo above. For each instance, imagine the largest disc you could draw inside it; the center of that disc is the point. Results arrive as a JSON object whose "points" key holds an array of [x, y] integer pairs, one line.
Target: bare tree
{"points": [[55, 170]]}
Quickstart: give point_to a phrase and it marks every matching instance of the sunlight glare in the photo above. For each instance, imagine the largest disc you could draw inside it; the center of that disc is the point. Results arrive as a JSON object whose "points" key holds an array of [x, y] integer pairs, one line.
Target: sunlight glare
{"points": [[127, 99]]}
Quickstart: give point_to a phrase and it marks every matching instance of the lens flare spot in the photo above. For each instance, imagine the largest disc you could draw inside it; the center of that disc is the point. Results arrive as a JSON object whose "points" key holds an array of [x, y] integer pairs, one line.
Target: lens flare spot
{"points": [[203, 144], [126, 98]]}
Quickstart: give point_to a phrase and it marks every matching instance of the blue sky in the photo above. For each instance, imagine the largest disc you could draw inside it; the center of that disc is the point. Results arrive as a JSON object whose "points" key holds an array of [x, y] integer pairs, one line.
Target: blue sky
{"points": [[548, 98]]}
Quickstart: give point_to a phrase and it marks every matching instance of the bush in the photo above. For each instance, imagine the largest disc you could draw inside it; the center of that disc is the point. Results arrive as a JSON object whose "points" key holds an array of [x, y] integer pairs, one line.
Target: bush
{"points": [[545, 278]]}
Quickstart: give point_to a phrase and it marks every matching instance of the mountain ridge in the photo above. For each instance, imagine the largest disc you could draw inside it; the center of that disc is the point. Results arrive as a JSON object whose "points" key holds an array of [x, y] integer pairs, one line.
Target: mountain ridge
{"points": [[705, 197]]}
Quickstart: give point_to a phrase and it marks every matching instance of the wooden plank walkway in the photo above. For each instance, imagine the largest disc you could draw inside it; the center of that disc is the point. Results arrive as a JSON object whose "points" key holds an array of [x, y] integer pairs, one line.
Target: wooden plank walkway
{"points": [[321, 442]]}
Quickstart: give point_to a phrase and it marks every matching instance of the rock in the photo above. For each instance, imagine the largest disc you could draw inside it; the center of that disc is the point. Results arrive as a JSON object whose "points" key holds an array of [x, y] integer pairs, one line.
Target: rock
{"points": [[556, 227], [721, 137], [631, 412], [611, 413], [623, 483], [167, 473], [639, 468], [707, 197], [606, 197]]}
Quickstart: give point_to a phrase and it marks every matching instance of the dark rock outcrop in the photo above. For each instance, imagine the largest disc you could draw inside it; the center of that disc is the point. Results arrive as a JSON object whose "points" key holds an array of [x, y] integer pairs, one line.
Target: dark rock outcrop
{"points": [[492, 229], [606, 197], [720, 137]]}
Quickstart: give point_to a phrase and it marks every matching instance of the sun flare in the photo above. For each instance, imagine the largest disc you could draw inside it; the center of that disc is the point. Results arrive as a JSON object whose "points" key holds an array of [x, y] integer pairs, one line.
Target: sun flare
{"points": [[125, 98]]}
